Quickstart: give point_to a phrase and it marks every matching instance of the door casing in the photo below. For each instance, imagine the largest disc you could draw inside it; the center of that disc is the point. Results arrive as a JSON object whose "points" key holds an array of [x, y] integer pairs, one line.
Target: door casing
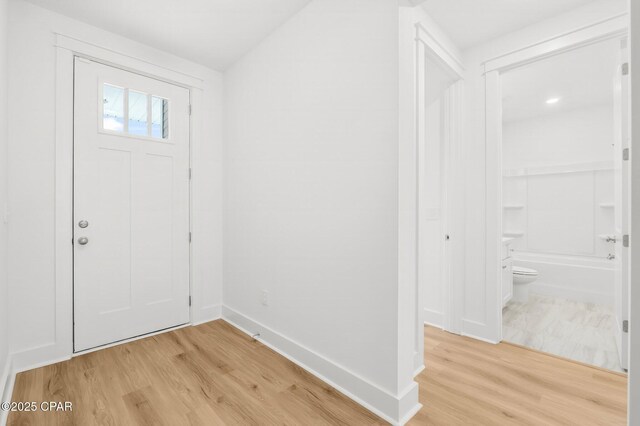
{"points": [[126, 58], [614, 27], [426, 45]]}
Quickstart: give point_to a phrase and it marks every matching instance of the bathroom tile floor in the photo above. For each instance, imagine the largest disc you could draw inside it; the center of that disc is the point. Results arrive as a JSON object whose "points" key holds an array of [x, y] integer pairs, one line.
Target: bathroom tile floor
{"points": [[579, 331]]}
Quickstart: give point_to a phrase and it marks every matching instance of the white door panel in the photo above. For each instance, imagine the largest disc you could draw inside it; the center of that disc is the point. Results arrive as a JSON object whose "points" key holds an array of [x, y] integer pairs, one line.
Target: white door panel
{"points": [[131, 184]]}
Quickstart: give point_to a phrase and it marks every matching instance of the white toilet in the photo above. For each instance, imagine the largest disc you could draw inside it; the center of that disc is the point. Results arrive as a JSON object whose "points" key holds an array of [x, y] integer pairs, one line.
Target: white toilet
{"points": [[522, 278]]}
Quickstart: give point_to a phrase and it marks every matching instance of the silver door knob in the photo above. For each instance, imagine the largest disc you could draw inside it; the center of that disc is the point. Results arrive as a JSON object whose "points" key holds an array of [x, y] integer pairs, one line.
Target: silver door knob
{"points": [[83, 240], [83, 224]]}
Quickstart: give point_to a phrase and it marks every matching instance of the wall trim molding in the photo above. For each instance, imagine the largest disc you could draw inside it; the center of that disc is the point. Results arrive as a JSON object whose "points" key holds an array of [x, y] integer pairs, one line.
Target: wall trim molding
{"points": [[477, 330], [207, 314], [433, 318], [397, 410], [600, 30], [439, 51], [37, 357], [132, 63]]}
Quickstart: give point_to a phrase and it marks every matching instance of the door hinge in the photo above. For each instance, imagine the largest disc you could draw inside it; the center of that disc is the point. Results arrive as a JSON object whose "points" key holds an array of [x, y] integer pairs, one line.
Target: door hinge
{"points": [[625, 154], [625, 326], [625, 68], [189, 300], [189, 109], [189, 173], [189, 236], [625, 240]]}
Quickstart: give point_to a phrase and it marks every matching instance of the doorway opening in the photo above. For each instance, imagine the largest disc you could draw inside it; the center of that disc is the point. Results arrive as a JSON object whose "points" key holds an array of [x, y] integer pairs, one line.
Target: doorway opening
{"points": [[438, 119], [433, 165], [564, 204]]}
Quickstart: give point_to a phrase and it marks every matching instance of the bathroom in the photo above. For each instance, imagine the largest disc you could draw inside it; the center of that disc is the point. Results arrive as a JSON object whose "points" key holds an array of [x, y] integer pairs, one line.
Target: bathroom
{"points": [[563, 205]]}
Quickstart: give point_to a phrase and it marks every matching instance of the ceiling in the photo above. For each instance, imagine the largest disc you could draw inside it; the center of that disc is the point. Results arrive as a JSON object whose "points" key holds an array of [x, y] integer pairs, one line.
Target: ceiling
{"points": [[472, 22], [214, 33], [579, 78]]}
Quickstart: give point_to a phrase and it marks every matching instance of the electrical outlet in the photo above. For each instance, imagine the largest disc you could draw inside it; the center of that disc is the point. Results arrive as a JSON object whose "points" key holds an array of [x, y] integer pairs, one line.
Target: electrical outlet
{"points": [[265, 297]]}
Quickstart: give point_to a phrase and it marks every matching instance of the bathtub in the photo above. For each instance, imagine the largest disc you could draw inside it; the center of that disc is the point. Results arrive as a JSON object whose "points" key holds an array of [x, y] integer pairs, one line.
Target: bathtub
{"points": [[580, 278]]}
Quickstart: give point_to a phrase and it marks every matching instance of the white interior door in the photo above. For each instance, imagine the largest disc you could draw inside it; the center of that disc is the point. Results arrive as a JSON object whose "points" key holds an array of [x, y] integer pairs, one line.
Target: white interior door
{"points": [[131, 205], [435, 130], [622, 213], [433, 215]]}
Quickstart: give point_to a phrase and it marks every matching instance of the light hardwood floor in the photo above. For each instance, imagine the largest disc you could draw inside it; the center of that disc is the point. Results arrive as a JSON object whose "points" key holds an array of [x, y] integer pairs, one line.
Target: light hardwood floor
{"points": [[214, 374], [468, 382]]}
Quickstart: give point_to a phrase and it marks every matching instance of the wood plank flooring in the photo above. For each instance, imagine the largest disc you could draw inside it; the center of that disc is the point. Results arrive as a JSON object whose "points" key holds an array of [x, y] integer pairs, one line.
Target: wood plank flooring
{"points": [[468, 382], [213, 374]]}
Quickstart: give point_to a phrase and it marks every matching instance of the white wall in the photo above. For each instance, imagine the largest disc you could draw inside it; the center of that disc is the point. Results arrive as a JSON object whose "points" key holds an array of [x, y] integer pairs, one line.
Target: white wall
{"points": [[478, 320], [570, 156], [32, 130], [577, 136], [312, 194], [4, 299], [559, 168]]}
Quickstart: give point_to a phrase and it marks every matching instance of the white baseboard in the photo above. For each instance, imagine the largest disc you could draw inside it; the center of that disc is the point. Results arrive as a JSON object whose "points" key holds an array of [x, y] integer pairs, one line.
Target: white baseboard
{"points": [[7, 380], [38, 357], [478, 331], [51, 354], [397, 410], [433, 318], [207, 314]]}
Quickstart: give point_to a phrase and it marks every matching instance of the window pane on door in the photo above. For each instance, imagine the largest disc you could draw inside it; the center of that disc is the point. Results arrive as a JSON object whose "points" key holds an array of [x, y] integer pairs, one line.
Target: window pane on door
{"points": [[159, 117], [138, 124], [113, 108]]}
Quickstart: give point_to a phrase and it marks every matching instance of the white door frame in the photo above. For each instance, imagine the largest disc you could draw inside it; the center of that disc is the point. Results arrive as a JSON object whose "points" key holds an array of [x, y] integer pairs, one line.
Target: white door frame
{"points": [[67, 48], [427, 45], [613, 27], [633, 410]]}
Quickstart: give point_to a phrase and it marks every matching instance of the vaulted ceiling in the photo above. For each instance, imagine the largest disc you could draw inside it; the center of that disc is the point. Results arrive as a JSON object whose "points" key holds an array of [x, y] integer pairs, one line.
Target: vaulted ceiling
{"points": [[472, 22], [214, 33]]}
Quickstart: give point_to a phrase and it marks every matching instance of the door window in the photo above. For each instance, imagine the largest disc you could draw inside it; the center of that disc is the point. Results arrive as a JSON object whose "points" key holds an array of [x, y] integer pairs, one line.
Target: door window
{"points": [[146, 115]]}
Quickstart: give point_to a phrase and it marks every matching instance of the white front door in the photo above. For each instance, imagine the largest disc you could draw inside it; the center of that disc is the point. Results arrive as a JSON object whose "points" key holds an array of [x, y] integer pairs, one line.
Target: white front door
{"points": [[131, 205]]}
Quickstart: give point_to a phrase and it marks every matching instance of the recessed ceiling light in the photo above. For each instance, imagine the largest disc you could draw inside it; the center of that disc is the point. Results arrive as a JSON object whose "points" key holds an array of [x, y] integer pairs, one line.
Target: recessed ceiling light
{"points": [[551, 101]]}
